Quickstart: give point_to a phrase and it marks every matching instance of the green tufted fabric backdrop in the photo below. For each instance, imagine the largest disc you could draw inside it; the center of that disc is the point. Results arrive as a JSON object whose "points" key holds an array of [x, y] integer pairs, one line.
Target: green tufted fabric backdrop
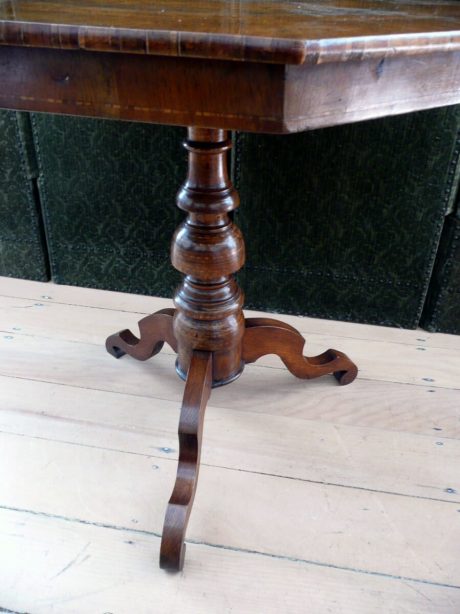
{"points": [[108, 195], [442, 309], [22, 246], [357, 213]]}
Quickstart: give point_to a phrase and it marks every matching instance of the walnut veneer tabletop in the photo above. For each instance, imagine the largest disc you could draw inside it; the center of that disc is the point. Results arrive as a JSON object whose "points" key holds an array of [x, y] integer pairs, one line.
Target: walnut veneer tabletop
{"points": [[247, 65], [270, 31]]}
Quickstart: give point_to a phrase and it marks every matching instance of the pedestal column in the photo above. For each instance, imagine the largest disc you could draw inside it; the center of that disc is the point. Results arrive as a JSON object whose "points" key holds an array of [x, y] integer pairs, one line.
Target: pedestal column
{"points": [[207, 329], [208, 249]]}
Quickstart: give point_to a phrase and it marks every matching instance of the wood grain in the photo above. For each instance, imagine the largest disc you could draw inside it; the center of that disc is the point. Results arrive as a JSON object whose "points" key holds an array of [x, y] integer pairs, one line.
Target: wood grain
{"points": [[191, 422], [371, 404], [268, 336], [370, 457], [208, 248], [154, 331], [168, 90], [333, 468], [208, 329], [434, 369], [188, 75], [116, 304], [74, 567], [280, 32], [369, 531], [299, 66], [248, 96]]}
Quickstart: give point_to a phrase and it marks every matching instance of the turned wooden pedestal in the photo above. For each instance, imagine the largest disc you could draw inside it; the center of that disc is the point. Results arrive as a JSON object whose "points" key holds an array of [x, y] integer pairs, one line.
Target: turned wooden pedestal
{"points": [[207, 329]]}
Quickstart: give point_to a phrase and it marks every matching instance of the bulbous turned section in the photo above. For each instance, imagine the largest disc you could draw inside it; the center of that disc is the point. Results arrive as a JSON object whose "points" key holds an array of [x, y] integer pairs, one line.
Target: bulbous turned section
{"points": [[208, 249]]}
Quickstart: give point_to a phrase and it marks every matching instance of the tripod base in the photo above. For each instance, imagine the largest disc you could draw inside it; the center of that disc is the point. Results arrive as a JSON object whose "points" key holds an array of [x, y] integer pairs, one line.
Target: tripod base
{"points": [[261, 336]]}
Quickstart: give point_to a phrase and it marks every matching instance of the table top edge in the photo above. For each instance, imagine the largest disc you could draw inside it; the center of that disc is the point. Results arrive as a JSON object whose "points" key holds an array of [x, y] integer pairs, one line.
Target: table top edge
{"points": [[216, 46]]}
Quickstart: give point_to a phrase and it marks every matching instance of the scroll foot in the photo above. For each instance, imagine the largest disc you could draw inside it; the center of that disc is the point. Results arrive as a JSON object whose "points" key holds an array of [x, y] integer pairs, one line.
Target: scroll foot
{"points": [[196, 395], [267, 336], [154, 331]]}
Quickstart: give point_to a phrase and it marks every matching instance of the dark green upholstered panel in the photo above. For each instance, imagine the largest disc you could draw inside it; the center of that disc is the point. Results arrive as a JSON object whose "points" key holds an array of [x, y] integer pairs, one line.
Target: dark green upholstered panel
{"points": [[22, 252], [108, 192], [340, 223], [442, 312], [344, 223], [442, 308]]}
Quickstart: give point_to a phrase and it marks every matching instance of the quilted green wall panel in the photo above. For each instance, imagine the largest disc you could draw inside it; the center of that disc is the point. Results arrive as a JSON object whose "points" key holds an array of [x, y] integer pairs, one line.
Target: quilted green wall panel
{"points": [[340, 223], [442, 309], [344, 223], [22, 251], [108, 194]]}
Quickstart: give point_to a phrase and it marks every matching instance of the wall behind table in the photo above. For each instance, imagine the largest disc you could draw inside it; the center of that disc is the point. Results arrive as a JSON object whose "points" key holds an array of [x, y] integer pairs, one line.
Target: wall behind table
{"points": [[345, 222], [108, 195], [341, 223], [442, 309], [22, 245]]}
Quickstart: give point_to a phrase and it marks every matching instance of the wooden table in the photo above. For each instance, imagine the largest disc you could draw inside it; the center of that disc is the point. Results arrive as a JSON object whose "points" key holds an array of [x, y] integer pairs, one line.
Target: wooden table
{"points": [[219, 65]]}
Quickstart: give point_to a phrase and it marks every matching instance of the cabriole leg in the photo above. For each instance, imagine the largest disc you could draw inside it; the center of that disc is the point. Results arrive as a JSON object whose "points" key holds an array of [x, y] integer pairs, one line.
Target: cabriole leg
{"points": [[196, 395]]}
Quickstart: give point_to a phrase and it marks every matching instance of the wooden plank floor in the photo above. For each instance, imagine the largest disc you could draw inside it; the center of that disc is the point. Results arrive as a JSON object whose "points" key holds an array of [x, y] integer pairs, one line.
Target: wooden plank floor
{"points": [[312, 498]]}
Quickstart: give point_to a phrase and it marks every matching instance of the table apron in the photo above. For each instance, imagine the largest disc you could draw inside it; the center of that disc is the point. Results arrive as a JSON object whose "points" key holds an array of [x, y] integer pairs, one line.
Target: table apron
{"points": [[157, 89], [231, 95]]}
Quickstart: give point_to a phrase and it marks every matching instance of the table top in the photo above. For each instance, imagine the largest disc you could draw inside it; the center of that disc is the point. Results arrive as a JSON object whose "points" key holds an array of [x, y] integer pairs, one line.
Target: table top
{"points": [[268, 31], [257, 65]]}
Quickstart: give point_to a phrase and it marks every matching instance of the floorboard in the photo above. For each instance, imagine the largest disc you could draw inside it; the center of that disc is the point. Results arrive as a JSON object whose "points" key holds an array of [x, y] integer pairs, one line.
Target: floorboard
{"points": [[339, 499]]}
